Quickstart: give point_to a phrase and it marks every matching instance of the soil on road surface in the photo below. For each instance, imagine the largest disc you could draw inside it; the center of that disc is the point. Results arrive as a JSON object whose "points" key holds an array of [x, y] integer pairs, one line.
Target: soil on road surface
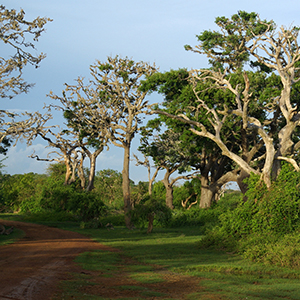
{"points": [[31, 268]]}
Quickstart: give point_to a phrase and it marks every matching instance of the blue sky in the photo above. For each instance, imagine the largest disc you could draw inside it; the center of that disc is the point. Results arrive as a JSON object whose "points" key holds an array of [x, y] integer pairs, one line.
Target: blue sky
{"points": [[153, 31]]}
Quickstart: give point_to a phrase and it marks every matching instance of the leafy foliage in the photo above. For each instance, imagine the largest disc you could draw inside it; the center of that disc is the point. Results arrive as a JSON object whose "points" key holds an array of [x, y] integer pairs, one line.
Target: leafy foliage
{"points": [[264, 228], [271, 211], [228, 47], [148, 209], [108, 185]]}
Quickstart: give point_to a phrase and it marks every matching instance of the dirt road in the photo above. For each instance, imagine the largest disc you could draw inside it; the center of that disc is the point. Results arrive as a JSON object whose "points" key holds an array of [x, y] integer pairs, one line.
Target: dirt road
{"points": [[31, 268]]}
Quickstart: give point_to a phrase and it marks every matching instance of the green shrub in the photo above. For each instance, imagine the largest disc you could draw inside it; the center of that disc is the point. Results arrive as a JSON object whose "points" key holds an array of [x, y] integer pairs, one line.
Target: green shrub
{"points": [[91, 224], [275, 211], [149, 209], [49, 216], [116, 218], [265, 228], [217, 239], [281, 251], [87, 205]]}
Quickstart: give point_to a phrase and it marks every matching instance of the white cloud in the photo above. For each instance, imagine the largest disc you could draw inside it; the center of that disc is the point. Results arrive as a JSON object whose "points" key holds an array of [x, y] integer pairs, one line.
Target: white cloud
{"points": [[18, 162]]}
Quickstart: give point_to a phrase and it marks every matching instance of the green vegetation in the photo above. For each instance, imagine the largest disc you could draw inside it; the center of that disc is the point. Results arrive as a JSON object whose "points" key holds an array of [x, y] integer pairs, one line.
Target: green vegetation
{"points": [[11, 238], [148, 258], [196, 242], [264, 228], [236, 121]]}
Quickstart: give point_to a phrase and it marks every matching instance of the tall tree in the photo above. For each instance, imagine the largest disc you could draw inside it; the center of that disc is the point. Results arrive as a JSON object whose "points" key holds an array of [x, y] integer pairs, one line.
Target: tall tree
{"points": [[273, 128], [88, 118], [199, 152], [167, 154], [118, 81]]}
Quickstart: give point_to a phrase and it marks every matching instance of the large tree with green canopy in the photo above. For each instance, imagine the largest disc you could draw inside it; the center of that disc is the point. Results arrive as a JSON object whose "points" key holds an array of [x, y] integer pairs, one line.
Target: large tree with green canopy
{"points": [[245, 38], [199, 153]]}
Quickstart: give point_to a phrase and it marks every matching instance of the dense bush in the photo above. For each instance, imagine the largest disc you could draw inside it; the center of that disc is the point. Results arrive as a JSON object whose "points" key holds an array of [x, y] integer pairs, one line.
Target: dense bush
{"points": [[274, 211], [152, 211], [108, 185], [264, 228], [20, 193], [35, 193]]}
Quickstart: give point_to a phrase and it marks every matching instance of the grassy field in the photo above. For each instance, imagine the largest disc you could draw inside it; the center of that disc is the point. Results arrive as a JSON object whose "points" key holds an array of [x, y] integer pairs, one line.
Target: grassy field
{"points": [[147, 258], [225, 275]]}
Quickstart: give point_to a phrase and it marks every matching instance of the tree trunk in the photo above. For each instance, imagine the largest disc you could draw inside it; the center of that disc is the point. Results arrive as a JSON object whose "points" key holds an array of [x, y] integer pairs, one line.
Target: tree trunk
{"points": [[150, 223], [169, 189], [169, 196], [68, 170], [207, 195], [80, 173], [90, 185], [126, 186], [151, 180], [209, 191]]}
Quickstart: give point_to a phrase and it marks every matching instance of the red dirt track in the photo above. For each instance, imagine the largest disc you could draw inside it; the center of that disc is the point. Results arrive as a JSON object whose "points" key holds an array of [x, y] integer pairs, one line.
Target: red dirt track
{"points": [[31, 268]]}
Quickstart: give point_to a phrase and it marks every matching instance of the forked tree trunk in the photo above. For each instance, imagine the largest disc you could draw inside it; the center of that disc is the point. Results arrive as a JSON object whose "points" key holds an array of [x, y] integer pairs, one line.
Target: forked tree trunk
{"points": [[169, 189]]}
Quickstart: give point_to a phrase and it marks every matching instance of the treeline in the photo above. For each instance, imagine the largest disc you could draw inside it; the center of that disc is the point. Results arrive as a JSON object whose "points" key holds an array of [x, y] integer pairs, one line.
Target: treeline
{"points": [[35, 193], [237, 120]]}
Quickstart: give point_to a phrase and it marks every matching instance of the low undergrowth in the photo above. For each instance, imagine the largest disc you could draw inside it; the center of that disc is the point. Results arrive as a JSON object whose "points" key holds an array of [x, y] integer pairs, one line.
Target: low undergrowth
{"points": [[12, 237], [146, 259]]}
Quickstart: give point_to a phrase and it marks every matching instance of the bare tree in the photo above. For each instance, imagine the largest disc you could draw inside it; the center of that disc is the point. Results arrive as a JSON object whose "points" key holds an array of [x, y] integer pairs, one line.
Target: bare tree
{"points": [[87, 118], [146, 163], [118, 81], [15, 31], [35, 125]]}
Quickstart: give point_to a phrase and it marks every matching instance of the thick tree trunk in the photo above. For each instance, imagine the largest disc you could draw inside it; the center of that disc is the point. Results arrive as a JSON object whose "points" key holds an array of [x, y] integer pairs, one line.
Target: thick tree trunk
{"points": [[90, 185], [207, 195], [126, 186], [209, 190], [169, 196]]}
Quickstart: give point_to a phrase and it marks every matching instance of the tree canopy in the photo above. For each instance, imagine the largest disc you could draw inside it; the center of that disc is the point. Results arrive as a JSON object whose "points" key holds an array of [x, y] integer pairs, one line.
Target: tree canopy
{"points": [[274, 127], [15, 31]]}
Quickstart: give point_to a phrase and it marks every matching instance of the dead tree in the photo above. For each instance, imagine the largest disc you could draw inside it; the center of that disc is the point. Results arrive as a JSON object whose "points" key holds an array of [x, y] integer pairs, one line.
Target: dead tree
{"points": [[118, 81], [146, 163]]}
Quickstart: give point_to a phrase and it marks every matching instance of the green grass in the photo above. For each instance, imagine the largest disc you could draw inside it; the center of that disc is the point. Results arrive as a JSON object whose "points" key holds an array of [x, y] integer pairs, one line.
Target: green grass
{"points": [[103, 261], [147, 277], [223, 275], [11, 238]]}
